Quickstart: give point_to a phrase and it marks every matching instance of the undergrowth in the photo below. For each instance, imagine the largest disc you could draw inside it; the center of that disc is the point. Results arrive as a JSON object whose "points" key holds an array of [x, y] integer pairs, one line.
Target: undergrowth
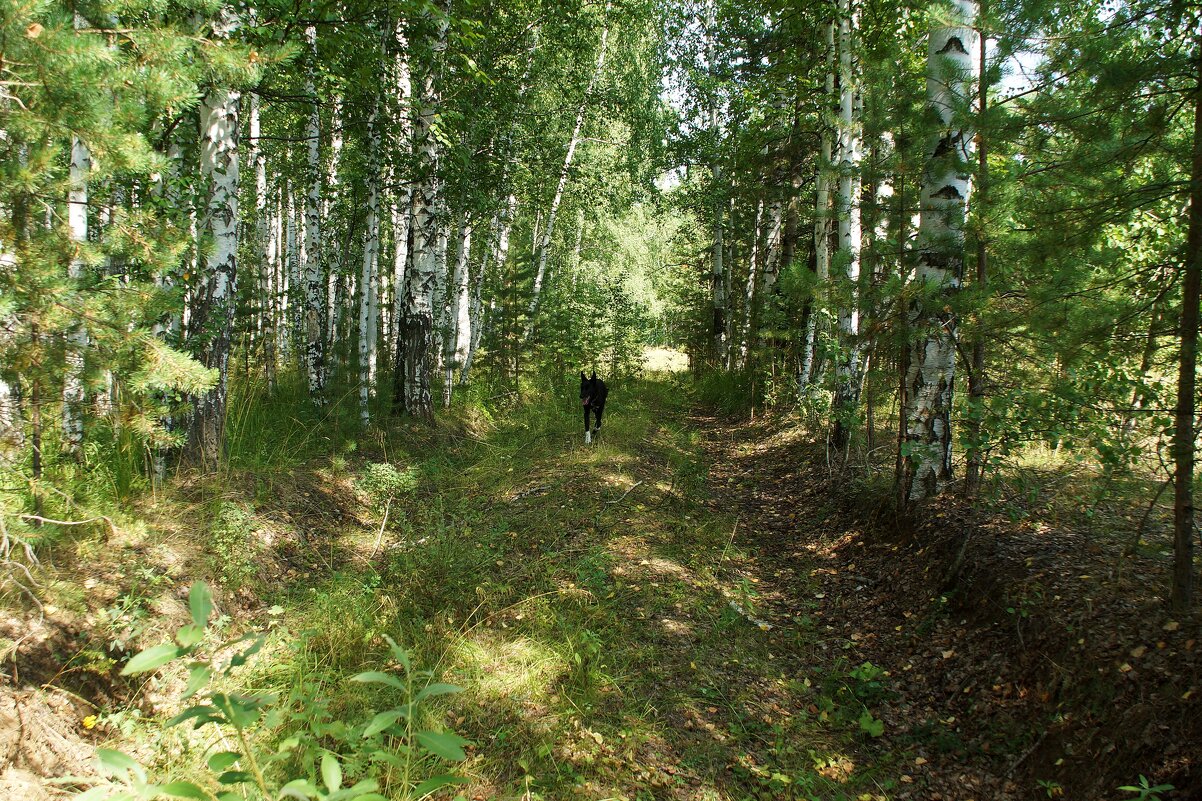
{"points": [[579, 596]]}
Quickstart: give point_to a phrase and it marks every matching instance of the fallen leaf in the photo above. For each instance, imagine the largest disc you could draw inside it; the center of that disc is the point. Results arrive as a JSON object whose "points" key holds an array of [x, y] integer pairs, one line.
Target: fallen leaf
{"points": [[1172, 625], [1139, 651]]}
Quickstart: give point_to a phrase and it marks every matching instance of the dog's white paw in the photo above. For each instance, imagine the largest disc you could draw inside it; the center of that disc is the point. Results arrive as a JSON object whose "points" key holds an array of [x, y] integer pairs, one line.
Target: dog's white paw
{"points": [[588, 437]]}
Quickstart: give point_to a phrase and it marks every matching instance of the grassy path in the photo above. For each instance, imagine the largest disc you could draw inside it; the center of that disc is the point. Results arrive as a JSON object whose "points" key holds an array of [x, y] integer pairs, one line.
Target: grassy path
{"points": [[617, 635]]}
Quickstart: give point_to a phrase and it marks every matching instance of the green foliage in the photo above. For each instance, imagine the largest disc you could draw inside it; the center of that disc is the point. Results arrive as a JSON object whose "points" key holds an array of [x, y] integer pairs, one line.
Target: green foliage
{"points": [[1145, 790], [384, 482], [355, 760], [230, 544]]}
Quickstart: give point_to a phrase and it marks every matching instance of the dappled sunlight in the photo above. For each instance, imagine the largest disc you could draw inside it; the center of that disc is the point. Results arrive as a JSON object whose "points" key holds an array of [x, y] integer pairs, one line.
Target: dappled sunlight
{"points": [[499, 667], [665, 360]]}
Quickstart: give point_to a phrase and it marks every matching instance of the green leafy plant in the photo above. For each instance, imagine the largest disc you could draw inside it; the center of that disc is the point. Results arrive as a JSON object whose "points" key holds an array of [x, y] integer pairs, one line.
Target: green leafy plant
{"points": [[230, 545], [383, 482], [1145, 790], [304, 765]]}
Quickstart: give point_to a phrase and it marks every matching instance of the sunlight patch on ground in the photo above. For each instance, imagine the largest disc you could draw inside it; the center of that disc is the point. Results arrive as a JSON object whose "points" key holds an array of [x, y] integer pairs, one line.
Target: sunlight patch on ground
{"points": [[500, 668]]}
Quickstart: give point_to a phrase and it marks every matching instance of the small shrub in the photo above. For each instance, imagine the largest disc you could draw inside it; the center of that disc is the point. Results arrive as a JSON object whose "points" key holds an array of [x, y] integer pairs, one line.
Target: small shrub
{"points": [[230, 546], [383, 482]]}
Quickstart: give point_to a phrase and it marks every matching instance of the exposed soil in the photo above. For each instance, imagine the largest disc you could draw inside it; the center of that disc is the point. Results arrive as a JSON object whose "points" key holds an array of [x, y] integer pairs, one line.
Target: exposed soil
{"points": [[1026, 662]]}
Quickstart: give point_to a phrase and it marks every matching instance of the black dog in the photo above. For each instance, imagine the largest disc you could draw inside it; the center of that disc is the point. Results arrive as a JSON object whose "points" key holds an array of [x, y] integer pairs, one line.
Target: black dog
{"points": [[592, 394]]}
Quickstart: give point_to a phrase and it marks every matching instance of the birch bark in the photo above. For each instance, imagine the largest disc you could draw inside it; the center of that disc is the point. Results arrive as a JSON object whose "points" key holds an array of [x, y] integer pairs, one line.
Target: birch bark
{"points": [[315, 282], [750, 290], [930, 370], [401, 208], [417, 331], [74, 395], [460, 310], [214, 316], [847, 371], [822, 225], [369, 300]]}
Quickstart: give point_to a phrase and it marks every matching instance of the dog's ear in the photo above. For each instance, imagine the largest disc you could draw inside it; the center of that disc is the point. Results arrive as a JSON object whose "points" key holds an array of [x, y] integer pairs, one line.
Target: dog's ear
{"points": [[594, 375], [582, 378]]}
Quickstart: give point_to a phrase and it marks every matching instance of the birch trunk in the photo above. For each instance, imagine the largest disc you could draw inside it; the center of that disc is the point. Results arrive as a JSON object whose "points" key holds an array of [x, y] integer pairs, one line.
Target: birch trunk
{"points": [[930, 371], [74, 396], [264, 244], [292, 265], [214, 317], [847, 372], [316, 313], [369, 301], [822, 223], [417, 332], [402, 204], [544, 242], [750, 293], [718, 275], [496, 255], [975, 457], [460, 329], [335, 272]]}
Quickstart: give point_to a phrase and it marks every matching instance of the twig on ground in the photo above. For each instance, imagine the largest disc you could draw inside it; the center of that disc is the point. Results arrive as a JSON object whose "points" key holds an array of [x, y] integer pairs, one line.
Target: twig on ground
{"points": [[380, 536], [531, 491], [624, 494]]}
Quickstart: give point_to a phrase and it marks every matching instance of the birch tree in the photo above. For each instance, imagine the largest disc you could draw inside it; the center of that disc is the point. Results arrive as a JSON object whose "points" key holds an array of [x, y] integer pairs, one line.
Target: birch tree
{"points": [[369, 299], [74, 396], [930, 369], [822, 224], [847, 375], [214, 316], [416, 333], [315, 281]]}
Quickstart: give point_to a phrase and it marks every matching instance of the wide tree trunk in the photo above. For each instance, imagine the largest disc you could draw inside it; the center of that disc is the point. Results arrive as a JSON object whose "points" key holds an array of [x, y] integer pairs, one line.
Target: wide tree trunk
{"points": [[930, 365], [214, 316], [417, 330]]}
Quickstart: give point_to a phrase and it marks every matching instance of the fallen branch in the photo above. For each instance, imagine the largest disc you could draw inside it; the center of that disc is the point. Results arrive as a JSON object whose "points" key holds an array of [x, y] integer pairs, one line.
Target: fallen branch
{"points": [[624, 494], [380, 537]]}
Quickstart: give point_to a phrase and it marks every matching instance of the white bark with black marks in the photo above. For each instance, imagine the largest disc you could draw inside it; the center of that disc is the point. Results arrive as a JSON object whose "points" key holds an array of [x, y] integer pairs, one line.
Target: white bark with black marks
{"points": [[417, 331], [850, 156], [214, 317], [316, 313], [369, 298], [930, 374]]}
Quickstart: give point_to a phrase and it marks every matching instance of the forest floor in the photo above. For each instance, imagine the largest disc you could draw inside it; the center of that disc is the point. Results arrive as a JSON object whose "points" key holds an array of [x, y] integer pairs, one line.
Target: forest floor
{"points": [[693, 607]]}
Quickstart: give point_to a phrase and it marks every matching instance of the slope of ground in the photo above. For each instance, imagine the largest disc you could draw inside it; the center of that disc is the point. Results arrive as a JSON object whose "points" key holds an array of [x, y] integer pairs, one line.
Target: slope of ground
{"points": [[1023, 660]]}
